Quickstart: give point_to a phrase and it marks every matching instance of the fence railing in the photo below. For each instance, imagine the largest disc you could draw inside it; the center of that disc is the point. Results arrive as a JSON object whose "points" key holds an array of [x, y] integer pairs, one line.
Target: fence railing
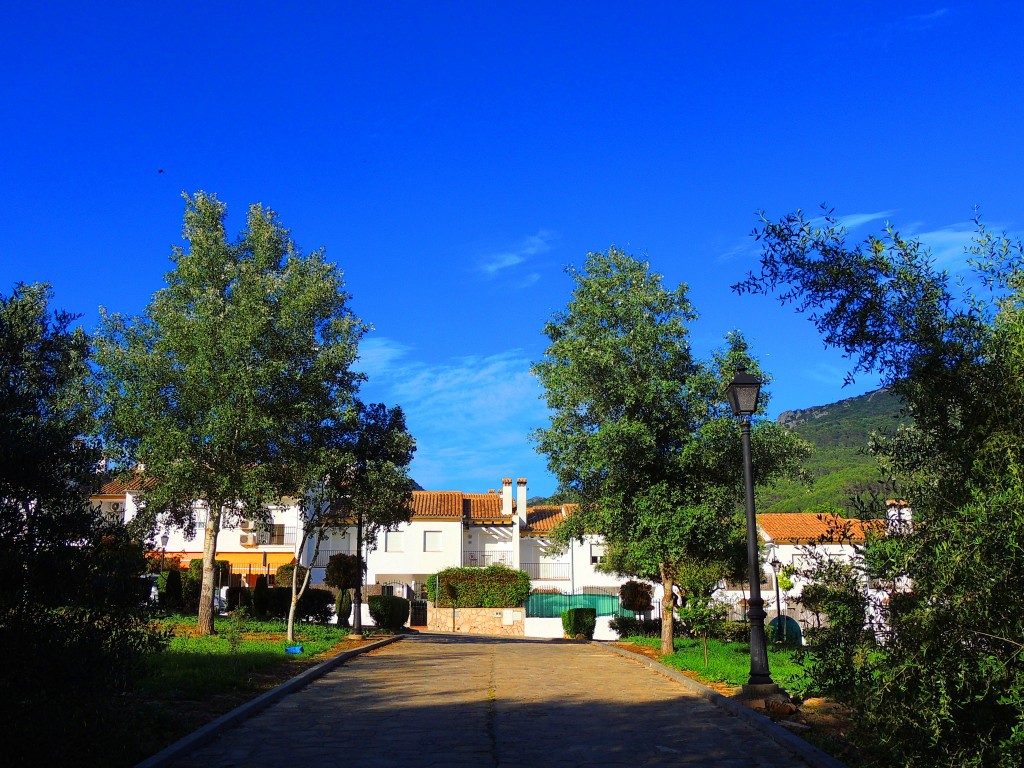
{"points": [[547, 571], [324, 555], [478, 559]]}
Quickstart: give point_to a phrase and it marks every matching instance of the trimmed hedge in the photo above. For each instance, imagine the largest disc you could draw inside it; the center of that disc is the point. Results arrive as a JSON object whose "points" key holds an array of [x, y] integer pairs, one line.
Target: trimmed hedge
{"points": [[636, 596], [493, 587], [283, 575], [579, 623], [627, 626], [388, 611]]}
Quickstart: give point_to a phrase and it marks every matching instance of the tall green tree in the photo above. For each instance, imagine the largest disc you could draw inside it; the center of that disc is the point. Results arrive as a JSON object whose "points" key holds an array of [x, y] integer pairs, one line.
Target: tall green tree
{"points": [[240, 369], [71, 609], [945, 686], [369, 480], [640, 431]]}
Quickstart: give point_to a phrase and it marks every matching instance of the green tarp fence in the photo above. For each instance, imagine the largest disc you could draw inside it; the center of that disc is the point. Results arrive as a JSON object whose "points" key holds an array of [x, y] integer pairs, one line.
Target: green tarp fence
{"points": [[544, 606]]}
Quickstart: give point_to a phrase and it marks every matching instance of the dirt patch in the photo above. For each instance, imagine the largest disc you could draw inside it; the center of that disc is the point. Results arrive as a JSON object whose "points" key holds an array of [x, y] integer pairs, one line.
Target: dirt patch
{"points": [[820, 721]]}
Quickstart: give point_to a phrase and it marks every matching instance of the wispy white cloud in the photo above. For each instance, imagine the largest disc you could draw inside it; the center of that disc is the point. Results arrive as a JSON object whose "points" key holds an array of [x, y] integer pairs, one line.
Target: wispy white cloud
{"points": [[947, 243], [533, 245], [471, 416], [825, 373], [854, 220]]}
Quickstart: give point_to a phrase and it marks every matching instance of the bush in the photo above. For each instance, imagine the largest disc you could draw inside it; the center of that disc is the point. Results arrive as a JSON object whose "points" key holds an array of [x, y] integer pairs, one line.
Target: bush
{"points": [[260, 597], [171, 595], [388, 611], [636, 596], [192, 581], [492, 587], [343, 607], [626, 626], [316, 605], [733, 632], [239, 597], [284, 574], [343, 572], [579, 623]]}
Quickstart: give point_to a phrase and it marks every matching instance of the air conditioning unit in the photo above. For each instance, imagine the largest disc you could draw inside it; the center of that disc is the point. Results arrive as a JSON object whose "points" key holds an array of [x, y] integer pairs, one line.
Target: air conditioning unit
{"points": [[247, 525], [248, 540]]}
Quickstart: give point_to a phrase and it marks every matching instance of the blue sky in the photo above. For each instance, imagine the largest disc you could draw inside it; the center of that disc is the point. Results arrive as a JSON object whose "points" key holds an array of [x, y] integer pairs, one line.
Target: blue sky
{"points": [[453, 158]]}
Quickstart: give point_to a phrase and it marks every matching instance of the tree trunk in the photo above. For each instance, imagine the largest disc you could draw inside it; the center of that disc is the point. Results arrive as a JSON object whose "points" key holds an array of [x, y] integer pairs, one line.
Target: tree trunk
{"points": [[296, 595], [204, 625], [357, 602], [667, 612]]}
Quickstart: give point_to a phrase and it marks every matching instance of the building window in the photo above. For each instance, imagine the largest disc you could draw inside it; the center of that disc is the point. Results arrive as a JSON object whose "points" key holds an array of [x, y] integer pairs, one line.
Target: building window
{"points": [[393, 541], [596, 554], [431, 541]]}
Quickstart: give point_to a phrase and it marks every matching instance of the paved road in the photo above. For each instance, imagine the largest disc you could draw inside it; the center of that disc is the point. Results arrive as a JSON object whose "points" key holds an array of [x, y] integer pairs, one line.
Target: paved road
{"points": [[461, 702]]}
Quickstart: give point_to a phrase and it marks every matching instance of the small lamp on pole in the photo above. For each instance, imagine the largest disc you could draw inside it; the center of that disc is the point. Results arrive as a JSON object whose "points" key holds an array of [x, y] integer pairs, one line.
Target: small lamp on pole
{"points": [[780, 628], [742, 393], [163, 550]]}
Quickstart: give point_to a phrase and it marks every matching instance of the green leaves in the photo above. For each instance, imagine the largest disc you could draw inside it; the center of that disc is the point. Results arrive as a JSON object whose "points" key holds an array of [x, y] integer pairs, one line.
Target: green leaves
{"points": [[640, 433]]}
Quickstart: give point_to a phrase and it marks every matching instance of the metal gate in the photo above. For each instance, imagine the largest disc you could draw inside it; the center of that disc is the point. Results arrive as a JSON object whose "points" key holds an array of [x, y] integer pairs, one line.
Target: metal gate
{"points": [[417, 613]]}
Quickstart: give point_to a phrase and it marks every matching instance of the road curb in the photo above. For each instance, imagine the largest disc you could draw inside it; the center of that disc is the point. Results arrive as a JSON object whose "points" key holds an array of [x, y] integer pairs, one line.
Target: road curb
{"points": [[250, 708], [814, 756]]}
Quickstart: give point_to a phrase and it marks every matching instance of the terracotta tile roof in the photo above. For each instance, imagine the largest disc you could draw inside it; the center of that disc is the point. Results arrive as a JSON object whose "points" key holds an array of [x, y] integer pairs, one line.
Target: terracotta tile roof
{"points": [[121, 485], [808, 527], [543, 518], [483, 506], [435, 504]]}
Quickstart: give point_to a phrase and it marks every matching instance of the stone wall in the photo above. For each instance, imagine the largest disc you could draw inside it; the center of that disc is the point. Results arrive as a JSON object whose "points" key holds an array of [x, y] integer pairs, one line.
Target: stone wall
{"points": [[478, 621]]}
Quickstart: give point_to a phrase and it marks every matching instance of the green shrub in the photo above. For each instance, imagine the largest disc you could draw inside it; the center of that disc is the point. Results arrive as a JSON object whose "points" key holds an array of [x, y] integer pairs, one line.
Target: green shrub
{"points": [[171, 595], [316, 605], [627, 626], [579, 623], [284, 574], [239, 597], [388, 611], [636, 596], [343, 572], [343, 607], [192, 581], [733, 632], [492, 587], [260, 597]]}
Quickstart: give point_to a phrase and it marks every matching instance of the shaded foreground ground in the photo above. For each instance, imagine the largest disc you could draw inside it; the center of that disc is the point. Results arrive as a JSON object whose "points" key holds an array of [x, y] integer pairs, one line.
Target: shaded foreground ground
{"points": [[437, 700]]}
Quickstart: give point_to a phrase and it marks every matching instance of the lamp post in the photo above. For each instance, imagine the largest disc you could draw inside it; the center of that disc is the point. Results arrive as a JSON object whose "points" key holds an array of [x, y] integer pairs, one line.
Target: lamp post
{"points": [[742, 393], [780, 628], [163, 550]]}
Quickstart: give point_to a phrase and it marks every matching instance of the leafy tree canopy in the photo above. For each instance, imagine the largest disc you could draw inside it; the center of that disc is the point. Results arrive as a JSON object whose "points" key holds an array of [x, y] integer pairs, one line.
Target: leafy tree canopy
{"points": [[946, 687], [640, 432], [226, 389], [71, 597]]}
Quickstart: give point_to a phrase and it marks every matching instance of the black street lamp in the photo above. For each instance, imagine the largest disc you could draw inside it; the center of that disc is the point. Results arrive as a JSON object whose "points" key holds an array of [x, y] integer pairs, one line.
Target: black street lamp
{"points": [[742, 393], [163, 550], [780, 628]]}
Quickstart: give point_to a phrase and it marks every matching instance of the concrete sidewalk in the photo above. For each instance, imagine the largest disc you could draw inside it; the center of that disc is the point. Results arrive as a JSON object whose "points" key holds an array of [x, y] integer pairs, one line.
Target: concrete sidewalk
{"points": [[458, 701]]}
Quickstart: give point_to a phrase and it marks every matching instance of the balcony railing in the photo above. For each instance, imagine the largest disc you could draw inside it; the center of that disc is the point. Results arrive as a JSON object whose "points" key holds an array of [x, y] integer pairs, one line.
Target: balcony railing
{"points": [[484, 559], [547, 571], [280, 536], [324, 555]]}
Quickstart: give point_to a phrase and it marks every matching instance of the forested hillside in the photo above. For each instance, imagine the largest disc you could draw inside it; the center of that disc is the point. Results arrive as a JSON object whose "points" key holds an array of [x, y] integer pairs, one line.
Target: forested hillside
{"points": [[840, 468]]}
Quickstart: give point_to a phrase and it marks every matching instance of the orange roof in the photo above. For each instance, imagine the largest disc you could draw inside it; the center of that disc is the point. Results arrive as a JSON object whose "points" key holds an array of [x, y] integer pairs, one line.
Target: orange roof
{"points": [[433, 504], [808, 527], [121, 485], [483, 506], [544, 518]]}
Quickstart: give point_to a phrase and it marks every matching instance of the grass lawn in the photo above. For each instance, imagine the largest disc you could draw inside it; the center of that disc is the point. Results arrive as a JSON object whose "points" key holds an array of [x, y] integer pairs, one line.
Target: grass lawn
{"points": [[729, 663], [193, 667], [196, 679]]}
